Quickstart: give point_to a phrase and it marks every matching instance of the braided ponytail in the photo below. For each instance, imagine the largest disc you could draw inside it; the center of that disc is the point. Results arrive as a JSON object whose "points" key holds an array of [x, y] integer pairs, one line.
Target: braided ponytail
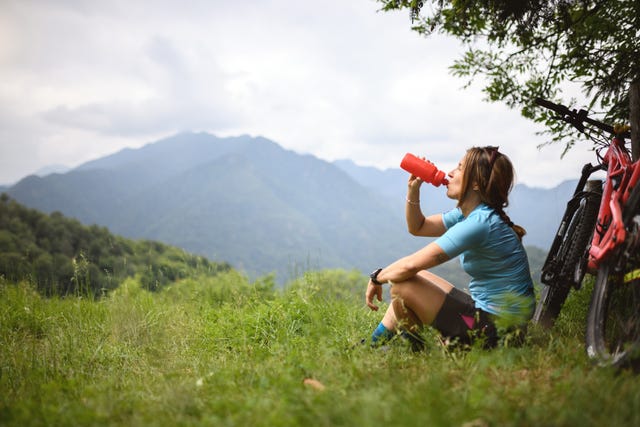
{"points": [[520, 231]]}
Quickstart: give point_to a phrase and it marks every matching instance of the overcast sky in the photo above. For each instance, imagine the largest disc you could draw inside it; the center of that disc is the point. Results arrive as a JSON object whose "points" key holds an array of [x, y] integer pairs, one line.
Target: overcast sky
{"points": [[80, 79]]}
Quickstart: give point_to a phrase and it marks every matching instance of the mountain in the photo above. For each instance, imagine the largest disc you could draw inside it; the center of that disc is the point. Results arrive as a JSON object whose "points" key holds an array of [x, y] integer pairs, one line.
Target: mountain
{"points": [[44, 171], [48, 170], [540, 211], [392, 183], [241, 200], [247, 201]]}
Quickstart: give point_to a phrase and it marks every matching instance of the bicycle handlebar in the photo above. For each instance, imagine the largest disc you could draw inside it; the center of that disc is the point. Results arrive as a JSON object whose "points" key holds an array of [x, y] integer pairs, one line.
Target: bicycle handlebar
{"points": [[578, 118]]}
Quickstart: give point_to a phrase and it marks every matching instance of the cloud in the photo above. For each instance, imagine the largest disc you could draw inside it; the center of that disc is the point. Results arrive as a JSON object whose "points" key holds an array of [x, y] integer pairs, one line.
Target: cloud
{"points": [[337, 80], [176, 95]]}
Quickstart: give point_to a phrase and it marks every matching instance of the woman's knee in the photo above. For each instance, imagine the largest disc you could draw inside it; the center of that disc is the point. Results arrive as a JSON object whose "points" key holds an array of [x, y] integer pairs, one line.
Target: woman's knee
{"points": [[420, 297], [403, 290], [395, 290], [400, 295]]}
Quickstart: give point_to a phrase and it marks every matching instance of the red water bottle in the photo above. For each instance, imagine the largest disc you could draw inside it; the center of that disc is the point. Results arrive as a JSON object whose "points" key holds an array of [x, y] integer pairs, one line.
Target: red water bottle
{"points": [[424, 169]]}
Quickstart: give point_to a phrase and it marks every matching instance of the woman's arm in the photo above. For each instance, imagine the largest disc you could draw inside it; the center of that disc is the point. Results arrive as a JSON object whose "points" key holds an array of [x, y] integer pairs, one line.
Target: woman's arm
{"points": [[405, 268], [417, 223]]}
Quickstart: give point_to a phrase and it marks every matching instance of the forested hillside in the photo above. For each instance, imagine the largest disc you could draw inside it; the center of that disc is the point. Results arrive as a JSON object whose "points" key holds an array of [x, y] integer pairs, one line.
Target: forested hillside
{"points": [[61, 256]]}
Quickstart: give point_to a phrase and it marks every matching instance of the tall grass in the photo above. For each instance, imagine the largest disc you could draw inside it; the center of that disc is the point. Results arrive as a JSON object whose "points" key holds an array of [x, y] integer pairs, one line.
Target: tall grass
{"points": [[222, 351]]}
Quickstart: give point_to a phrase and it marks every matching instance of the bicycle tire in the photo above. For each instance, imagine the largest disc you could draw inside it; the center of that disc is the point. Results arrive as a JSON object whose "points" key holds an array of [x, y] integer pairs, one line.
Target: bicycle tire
{"points": [[576, 254], [613, 324], [572, 254], [548, 308]]}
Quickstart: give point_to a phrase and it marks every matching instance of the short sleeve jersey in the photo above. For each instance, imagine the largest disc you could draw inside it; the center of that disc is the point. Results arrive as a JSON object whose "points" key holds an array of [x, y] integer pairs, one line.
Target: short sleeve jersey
{"points": [[492, 254]]}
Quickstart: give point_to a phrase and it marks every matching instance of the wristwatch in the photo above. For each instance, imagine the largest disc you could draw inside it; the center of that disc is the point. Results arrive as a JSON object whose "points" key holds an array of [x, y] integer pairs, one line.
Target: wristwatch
{"points": [[374, 277]]}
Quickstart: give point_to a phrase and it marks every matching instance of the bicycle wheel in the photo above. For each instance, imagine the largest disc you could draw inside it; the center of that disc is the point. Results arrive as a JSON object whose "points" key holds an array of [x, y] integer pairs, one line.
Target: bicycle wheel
{"points": [[548, 308], [571, 258], [613, 323]]}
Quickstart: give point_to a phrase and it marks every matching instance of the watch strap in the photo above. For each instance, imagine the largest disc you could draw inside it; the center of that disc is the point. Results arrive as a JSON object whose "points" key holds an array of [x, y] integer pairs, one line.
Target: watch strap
{"points": [[374, 277]]}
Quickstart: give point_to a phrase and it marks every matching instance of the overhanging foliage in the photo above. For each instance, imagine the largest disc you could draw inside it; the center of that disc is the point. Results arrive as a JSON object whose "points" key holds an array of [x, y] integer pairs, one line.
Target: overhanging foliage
{"points": [[536, 48]]}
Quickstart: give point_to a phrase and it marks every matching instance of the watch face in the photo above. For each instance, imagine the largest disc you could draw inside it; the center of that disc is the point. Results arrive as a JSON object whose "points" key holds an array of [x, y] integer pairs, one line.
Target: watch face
{"points": [[374, 276]]}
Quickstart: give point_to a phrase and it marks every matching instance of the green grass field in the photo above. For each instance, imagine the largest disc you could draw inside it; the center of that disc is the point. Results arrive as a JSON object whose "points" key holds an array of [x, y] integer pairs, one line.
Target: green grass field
{"points": [[220, 351]]}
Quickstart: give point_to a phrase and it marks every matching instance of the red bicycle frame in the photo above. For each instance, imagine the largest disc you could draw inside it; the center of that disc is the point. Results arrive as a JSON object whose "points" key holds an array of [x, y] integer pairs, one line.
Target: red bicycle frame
{"points": [[622, 176]]}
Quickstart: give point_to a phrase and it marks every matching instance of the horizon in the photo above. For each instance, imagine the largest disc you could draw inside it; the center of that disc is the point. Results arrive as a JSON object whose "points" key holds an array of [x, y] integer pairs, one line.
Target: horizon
{"points": [[62, 169]]}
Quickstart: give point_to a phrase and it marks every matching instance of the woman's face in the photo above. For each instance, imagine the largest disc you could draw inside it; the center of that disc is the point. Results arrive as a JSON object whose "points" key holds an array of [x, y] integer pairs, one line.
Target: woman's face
{"points": [[454, 189]]}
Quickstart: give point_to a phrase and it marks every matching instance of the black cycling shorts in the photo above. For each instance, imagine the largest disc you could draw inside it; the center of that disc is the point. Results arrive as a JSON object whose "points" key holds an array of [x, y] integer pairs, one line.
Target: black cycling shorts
{"points": [[459, 319]]}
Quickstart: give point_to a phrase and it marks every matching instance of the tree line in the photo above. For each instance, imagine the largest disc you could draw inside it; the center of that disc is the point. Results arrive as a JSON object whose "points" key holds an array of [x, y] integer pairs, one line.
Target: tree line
{"points": [[62, 256]]}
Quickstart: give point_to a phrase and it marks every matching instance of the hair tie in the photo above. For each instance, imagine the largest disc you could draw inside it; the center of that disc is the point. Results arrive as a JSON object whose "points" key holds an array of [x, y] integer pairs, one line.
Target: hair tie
{"points": [[493, 156]]}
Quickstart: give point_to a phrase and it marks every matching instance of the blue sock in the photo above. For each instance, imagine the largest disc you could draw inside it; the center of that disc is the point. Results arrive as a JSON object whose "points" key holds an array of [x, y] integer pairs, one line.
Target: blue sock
{"points": [[381, 334]]}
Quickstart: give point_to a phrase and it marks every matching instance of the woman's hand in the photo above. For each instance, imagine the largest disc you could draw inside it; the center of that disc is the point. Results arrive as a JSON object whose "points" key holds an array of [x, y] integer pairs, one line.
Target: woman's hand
{"points": [[413, 191], [373, 290], [414, 184]]}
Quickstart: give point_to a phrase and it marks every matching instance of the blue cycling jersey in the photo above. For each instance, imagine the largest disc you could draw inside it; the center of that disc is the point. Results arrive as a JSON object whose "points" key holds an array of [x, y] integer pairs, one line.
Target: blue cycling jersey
{"points": [[492, 254]]}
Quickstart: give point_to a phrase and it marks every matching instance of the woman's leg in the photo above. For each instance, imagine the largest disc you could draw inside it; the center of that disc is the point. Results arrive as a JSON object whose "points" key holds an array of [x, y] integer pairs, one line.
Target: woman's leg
{"points": [[389, 323], [386, 328], [389, 319], [417, 301], [443, 284]]}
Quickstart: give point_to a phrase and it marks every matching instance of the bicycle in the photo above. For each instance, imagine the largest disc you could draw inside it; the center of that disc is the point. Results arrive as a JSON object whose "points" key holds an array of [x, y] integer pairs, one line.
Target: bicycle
{"points": [[599, 234]]}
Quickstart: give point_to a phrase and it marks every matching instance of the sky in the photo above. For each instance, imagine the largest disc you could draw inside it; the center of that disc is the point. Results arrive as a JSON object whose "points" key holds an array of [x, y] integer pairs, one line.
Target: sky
{"points": [[81, 79]]}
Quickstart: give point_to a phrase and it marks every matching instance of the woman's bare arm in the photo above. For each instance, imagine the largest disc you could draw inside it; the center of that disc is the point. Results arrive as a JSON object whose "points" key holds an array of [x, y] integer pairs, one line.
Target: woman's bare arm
{"points": [[417, 223], [407, 267]]}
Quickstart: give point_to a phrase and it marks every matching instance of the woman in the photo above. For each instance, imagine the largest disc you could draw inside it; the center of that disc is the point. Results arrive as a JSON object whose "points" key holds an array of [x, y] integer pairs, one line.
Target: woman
{"points": [[490, 250]]}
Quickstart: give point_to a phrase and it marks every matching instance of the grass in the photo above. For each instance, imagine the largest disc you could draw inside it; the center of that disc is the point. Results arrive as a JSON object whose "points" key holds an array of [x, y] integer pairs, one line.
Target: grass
{"points": [[222, 351]]}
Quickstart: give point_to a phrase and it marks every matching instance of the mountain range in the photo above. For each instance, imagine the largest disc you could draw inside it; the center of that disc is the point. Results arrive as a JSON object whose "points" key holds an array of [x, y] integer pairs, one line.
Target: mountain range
{"points": [[247, 201]]}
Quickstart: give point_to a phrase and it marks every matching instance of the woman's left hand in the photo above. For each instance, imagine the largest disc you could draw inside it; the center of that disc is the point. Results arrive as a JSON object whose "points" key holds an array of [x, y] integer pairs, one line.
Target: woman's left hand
{"points": [[373, 290]]}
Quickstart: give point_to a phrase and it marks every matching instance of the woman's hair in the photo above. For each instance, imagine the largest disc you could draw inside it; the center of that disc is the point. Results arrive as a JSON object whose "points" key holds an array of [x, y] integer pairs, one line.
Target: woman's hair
{"points": [[493, 174]]}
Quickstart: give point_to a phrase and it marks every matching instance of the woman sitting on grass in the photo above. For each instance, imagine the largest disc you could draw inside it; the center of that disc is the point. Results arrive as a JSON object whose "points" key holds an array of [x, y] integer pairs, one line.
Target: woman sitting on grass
{"points": [[490, 249]]}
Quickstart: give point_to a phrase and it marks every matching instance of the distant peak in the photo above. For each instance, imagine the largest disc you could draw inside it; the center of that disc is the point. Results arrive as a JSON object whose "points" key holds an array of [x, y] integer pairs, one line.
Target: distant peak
{"points": [[47, 170]]}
